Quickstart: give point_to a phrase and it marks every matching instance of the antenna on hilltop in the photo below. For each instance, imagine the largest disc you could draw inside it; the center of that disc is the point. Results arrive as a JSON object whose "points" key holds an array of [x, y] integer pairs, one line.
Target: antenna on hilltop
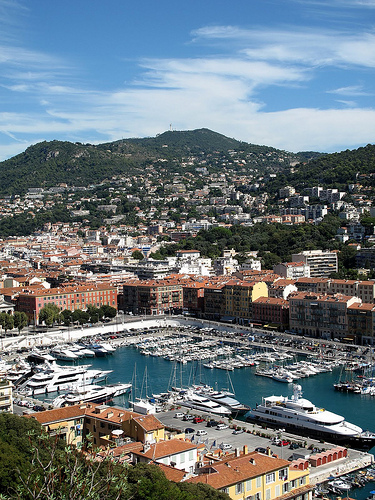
{"points": [[170, 127]]}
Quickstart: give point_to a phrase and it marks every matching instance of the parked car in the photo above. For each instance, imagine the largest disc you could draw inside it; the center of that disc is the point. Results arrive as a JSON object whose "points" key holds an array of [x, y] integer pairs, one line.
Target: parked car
{"points": [[198, 420], [283, 442], [212, 423], [38, 408], [225, 446], [201, 432], [261, 450], [221, 427], [189, 430], [238, 431], [178, 415], [187, 417]]}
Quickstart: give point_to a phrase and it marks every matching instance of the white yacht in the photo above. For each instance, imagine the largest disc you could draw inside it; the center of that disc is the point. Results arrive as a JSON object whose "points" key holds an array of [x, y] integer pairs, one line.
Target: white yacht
{"points": [[92, 394], [299, 415], [54, 378], [192, 399], [227, 399], [64, 354]]}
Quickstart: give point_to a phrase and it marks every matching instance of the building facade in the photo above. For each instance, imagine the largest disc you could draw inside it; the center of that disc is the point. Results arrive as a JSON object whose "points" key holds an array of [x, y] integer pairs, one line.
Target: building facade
{"points": [[322, 263], [70, 297], [320, 315]]}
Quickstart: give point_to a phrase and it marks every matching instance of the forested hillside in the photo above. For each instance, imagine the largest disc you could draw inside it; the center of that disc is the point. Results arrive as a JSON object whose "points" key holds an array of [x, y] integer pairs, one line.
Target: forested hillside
{"points": [[51, 163]]}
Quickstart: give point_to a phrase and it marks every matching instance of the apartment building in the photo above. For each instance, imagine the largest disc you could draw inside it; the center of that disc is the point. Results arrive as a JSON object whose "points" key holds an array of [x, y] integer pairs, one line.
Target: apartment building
{"points": [[153, 297], [322, 263], [214, 303], [100, 424], [272, 312], [70, 297], [239, 296], [365, 290], [361, 323], [256, 476], [320, 315], [193, 297], [292, 270]]}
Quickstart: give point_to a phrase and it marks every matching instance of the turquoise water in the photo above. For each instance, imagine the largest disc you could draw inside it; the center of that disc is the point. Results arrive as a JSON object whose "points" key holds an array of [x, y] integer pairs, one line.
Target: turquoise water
{"points": [[248, 387]]}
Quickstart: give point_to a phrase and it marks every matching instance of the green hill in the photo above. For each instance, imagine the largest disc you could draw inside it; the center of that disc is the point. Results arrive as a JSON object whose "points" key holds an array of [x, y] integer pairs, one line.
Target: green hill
{"points": [[51, 163], [337, 169]]}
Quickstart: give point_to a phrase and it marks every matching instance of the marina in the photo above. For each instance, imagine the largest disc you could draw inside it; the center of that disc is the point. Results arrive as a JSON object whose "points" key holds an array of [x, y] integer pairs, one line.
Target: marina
{"points": [[151, 350]]}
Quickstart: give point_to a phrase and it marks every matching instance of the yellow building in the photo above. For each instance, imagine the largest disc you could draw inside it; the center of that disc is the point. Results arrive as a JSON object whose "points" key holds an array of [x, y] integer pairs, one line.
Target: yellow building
{"points": [[99, 424], [255, 476], [67, 423], [240, 295]]}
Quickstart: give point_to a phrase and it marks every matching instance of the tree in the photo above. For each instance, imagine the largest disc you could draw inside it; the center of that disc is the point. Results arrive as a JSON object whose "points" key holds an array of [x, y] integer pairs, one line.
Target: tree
{"points": [[6, 321], [50, 313], [66, 317], [80, 316], [108, 311], [95, 313], [20, 320], [138, 255]]}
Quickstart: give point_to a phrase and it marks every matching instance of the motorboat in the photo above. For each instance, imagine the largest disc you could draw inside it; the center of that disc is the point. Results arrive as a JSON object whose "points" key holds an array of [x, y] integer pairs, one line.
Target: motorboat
{"points": [[52, 377], [227, 399], [91, 393], [39, 357], [64, 354], [197, 401], [299, 415]]}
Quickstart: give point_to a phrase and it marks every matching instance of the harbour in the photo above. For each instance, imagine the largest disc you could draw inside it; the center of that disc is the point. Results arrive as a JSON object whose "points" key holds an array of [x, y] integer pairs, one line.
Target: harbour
{"points": [[249, 389]]}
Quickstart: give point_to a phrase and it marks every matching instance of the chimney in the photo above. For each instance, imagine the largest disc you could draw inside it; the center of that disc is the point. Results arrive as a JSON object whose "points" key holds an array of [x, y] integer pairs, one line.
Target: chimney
{"points": [[237, 452], [245, 449]]}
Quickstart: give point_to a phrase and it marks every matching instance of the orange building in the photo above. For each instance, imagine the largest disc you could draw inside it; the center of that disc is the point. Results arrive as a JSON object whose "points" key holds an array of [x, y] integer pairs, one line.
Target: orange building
{"points": [[70, 297]]}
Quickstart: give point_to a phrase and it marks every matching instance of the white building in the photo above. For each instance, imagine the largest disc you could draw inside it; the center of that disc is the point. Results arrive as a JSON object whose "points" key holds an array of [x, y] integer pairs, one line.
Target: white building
{"points": [[322, 262], [292, 270]]}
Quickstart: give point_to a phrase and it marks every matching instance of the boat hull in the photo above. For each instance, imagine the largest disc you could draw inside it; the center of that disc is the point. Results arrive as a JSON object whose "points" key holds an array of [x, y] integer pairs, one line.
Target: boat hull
{"points": [[357, 442]]}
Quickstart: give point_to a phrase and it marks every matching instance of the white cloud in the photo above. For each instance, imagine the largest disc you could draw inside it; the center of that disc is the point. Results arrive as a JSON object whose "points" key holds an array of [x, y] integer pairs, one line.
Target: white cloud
{"points": [[353, 90], [222, 92], [305, 46]]}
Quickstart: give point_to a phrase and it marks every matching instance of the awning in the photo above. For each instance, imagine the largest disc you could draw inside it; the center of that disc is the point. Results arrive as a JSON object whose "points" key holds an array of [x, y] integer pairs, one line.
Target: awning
{"points": [[117, 432], [227, 318]]}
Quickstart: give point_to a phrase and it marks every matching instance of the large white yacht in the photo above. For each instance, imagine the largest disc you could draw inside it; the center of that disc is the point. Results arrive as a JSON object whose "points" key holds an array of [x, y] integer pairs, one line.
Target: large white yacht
{"points": [[53, 378], [192, 399], [299, 415], [91, 393], [224, 398]]}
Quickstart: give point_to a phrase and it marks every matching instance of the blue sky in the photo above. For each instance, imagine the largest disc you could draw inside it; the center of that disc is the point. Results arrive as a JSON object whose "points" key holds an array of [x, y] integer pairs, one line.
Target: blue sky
{"points": [[292, 74]]}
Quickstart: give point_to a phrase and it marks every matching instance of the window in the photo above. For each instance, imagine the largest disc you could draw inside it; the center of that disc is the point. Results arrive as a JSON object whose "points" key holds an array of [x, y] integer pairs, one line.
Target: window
{"points": [[259, 482], [283, 474], [239, 488], [270, 478], [268, 494], [248, 485], [191, 455], [277, 490]]}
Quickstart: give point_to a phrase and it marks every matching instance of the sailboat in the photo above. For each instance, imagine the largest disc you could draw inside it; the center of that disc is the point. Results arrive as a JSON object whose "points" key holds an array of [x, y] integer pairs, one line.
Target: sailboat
{"points": [[144, 405]]}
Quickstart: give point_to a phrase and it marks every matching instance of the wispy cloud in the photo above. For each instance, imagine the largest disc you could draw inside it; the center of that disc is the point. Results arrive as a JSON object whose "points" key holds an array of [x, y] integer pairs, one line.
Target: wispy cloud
{"points": [[305, 46], [354, 91], [339, 3], [226, 92]]}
